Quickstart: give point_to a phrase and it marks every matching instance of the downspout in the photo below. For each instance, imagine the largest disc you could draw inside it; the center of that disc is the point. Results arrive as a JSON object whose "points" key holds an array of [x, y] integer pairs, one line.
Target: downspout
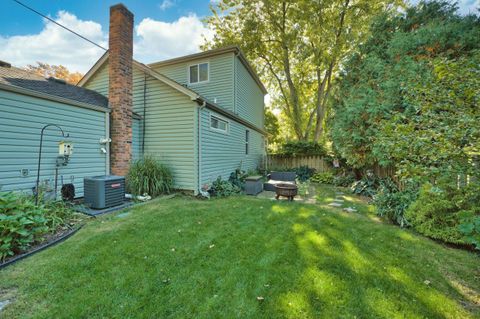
{"points": [[144, 113], [235, 82], [199, 144]]}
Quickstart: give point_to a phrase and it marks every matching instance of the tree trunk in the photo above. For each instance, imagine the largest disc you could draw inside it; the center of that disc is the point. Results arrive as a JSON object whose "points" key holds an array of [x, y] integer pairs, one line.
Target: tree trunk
{"points": [[321, 108], [323, 94]]}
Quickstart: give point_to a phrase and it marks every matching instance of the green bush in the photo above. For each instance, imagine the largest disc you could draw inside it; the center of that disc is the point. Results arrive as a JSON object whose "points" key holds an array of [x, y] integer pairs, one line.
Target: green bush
{"points": [[304, 173], [470, 228], [297, 148], [392, 202], [57, 213], [23, 224], [223, 188], [344, 180], [237, 178], [149, 176], [323, 178], [367, 186], [440, 210]]}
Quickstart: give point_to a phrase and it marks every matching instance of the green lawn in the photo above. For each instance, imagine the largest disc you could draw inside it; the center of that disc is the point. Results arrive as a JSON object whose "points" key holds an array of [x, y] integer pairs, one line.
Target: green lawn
{"points": [[185, 258]]}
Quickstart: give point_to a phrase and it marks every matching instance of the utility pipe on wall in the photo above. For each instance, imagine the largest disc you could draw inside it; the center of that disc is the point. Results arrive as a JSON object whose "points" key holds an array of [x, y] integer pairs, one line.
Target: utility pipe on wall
{"points": [[199, 152]]}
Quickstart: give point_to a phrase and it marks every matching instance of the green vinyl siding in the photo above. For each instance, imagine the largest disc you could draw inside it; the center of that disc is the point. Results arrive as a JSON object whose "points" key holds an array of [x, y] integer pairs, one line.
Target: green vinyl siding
{"points": [[136, 139], [22, 118], [99, 81], [170, 119], [248, 96], [168, 116], [222, 153], [169, 127], [218, 89]]}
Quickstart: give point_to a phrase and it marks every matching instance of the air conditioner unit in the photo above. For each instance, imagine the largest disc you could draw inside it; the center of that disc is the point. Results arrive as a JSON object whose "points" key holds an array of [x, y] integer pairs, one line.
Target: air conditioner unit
{"points": [[103, 191]]}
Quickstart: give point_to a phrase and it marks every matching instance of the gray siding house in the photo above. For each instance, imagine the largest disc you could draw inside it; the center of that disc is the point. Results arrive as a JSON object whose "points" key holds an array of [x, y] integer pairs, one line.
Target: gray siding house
{"points": [[27, 103], [202, 114]]}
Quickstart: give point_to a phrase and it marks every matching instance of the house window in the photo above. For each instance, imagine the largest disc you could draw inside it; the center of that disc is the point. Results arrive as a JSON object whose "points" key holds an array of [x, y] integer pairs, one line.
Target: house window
{"points": [[198, 73], [218, 124], [247, 140]]}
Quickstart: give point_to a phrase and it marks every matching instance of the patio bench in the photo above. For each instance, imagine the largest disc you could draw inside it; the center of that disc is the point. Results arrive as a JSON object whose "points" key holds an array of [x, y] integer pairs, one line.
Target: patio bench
{"points": [[275, 178]]}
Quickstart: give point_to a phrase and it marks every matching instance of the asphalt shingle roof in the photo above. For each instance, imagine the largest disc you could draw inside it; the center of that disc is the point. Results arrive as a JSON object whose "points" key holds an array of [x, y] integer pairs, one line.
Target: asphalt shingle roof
{"points": [[21, 78]]}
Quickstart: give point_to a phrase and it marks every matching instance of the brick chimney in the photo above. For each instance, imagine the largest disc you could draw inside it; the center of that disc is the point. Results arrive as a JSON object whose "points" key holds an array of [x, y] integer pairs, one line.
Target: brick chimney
{"points": [[120, 88]]}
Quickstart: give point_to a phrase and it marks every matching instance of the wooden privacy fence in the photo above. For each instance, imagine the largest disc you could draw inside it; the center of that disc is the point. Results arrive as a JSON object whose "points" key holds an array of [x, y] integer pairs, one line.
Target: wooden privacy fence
{"points": [[285, 162], [282, 162]]}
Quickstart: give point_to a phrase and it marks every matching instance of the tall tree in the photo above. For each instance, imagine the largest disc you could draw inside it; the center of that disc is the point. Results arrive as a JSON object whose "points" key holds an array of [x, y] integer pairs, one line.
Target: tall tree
{"points": [[58, 71], [297, 47], [410, 97]]}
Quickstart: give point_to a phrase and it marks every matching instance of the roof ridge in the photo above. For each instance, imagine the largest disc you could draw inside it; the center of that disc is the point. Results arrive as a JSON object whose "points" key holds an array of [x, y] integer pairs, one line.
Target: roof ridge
{"points": [[225, 49]]}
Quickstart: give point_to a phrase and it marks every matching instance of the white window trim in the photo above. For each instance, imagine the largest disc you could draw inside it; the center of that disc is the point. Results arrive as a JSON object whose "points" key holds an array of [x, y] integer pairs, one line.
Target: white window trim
{"points": [[214, 129], [198, 67]]}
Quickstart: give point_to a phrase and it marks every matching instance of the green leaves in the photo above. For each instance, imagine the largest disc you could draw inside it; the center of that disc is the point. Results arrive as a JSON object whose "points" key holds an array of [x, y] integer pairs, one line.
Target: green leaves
{"points": [[470, 228], [447, 213], [223, 188], [22, 223], [149, 176], [297, 47], [302, 148], [410, 97]]}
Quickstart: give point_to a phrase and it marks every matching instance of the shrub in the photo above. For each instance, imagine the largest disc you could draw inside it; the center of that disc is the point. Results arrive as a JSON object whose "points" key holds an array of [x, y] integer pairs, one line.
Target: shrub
{"points": [[440, 210], [344, 180], [324, 178], [392, 202], [296, 148], [149, 176], [223, 188], [57, 213], [22, 223], [304, 173], [237, 178], [470, 228], [367, 186]]}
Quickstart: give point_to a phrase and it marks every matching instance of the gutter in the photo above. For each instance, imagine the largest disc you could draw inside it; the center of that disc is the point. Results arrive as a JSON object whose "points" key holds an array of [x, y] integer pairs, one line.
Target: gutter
{"points": [[230, 115]]}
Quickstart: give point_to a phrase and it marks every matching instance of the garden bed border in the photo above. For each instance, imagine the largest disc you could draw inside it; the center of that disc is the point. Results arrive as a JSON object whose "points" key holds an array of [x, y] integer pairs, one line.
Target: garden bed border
{"points": [[41, 247]]}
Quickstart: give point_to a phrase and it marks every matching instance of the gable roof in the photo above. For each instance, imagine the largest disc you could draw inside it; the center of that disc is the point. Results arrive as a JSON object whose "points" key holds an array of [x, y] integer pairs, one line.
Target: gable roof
{"points": [[194, 96], [12, 77], [205, 54], [104, 58]]}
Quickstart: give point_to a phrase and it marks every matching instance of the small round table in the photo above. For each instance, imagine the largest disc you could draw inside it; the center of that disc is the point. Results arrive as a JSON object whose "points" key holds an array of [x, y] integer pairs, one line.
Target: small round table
{"points": [[286, 190]]}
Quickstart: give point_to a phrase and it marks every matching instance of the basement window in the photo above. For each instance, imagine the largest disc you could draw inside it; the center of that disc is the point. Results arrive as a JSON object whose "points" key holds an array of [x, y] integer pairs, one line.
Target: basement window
{"points": [[218, 124], [198, 73]]}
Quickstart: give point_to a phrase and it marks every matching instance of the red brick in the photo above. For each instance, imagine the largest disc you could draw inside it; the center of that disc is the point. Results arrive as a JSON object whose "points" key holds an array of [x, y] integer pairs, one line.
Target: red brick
{"points": [[120, 88]]}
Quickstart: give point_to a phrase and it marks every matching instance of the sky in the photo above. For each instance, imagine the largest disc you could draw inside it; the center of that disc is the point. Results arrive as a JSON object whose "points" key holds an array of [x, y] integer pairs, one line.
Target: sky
{"points": [[163, 29]]}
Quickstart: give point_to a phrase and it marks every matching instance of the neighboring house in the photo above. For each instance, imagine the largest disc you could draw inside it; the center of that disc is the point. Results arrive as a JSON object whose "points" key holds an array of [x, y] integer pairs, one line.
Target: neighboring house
{"points": [[27, 103], [203, 114]]}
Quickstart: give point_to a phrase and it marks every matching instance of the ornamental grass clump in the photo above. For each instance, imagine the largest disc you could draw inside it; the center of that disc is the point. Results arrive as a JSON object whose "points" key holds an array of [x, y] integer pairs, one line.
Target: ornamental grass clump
{"points": [[149, 176]]}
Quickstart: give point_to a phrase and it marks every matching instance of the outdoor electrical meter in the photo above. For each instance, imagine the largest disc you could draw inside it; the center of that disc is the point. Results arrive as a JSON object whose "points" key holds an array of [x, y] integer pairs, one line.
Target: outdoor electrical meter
{"points": [[65, 148]]}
